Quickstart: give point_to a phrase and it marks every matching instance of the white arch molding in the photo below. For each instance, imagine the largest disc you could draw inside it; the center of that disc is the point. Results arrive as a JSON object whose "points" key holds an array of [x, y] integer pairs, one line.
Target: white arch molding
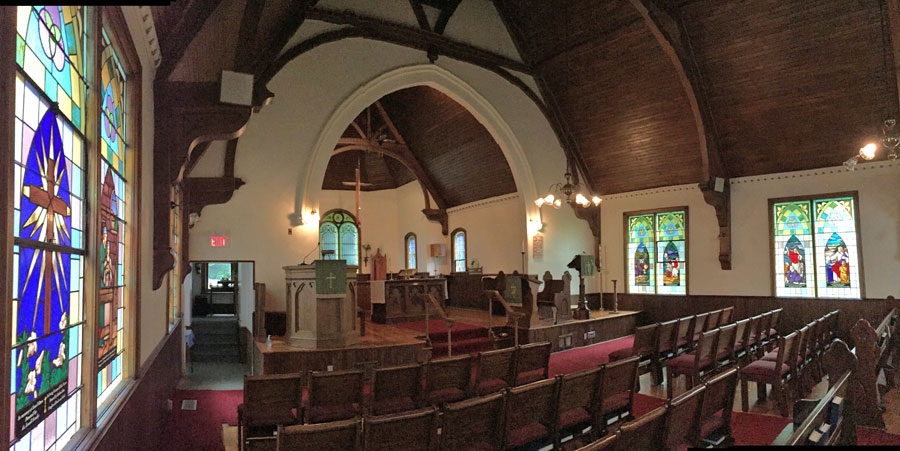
{"points": [[309, 185]]}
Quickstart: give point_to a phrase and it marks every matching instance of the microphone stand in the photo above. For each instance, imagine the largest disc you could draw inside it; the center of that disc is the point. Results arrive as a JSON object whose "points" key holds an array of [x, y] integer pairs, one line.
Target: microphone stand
{"points": [[310, 252]]}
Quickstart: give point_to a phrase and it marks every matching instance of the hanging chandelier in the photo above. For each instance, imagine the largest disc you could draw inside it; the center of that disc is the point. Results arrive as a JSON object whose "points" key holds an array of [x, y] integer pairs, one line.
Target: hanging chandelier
{"points": [[570, 191]]}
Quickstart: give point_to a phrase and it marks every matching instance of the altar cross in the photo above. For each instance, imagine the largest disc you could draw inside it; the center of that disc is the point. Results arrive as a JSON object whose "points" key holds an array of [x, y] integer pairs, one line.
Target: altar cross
{"points": [[330, 279], [54, 205]]}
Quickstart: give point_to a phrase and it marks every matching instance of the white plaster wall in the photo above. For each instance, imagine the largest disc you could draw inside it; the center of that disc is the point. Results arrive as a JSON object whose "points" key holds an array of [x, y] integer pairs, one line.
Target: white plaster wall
{"points": [[152, 302], [245, 294], [495, 233], [878, 185], [212, 162], [276, 150]]}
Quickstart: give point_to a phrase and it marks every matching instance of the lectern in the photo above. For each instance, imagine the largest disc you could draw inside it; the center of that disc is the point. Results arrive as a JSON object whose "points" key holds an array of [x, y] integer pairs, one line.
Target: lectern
{"points": [[584, 264], [321, 305]]}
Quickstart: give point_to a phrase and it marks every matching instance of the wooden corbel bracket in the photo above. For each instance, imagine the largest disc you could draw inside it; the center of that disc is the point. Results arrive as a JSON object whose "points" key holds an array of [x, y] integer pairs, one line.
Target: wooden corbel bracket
{"points": [[721, 202]]}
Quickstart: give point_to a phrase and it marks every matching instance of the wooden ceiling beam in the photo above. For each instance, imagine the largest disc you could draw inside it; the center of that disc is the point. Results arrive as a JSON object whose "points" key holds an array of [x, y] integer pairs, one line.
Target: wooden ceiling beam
{"points": [[669, 30], [174, 43], [417, 38], [245, 54], [420, 14]]}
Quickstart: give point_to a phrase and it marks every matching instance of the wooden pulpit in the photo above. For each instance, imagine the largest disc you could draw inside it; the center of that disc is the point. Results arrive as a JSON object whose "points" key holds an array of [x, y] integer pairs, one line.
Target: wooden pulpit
{"points": [[321, 305]]}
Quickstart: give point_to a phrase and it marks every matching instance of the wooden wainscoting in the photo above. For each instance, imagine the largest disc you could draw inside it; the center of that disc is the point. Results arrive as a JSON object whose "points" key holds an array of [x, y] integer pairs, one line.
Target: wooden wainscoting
{"points": [[797, 312], [141, 418]]}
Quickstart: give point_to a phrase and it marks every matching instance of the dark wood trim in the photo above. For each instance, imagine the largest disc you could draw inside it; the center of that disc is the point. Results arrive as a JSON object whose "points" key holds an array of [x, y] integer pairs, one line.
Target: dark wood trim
{"points": [[7, 163], [415, 250], [687, 242], [811, 198], [453, 249], [246, 52], [421, 18], [721, 202], [417, 38], [893, 10], [174, 43]]}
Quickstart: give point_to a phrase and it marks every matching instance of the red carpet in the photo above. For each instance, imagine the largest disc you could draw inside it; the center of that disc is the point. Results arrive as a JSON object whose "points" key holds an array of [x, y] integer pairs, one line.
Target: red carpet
{"points": [[467, 338], [866, 436], [201, 429], [589, 356]]}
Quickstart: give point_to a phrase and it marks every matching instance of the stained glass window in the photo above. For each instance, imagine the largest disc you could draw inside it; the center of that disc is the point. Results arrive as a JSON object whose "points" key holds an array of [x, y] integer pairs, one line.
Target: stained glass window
{"points": [[657, 252], [113, 148], [338, 232], [48, 256], [459, 250], [410, 250], [816, 233]]}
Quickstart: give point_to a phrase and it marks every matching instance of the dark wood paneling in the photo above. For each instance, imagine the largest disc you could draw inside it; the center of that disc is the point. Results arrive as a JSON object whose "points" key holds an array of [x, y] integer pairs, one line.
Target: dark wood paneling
{"points": [[606, 328], [797, 312], [142, 416], [792, 85], [456, 151], [301, 361]]}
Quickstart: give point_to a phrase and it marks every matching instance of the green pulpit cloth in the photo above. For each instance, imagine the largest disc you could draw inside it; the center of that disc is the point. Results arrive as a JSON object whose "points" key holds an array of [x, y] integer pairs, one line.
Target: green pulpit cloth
{"points": [[513, 291], [331, 276], [587, 266]]}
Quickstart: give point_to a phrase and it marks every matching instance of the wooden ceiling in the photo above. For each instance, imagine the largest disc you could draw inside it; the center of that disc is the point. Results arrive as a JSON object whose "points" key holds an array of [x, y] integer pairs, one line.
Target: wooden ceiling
{"points": [[789, 85], [456, 152]]}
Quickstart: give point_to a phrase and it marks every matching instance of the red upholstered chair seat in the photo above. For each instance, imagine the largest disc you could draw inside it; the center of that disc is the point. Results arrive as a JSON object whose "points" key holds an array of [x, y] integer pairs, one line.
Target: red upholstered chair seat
{"points": [[491, 386], [323, 414], [614, 402], [738, 345], [393, 405], [445, 395], [526, 434], [681, 342], [574, 416], [530, 376], [686, 361], [765, 368]]}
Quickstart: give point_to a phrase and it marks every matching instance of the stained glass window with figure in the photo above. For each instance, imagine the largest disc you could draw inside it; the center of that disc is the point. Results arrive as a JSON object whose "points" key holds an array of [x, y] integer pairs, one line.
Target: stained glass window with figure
{"points": [[656, 252]]}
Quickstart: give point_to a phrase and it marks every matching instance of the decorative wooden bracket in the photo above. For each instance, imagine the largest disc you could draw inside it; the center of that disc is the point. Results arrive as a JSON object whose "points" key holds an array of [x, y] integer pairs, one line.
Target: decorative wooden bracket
{"points": [[866, 399], [438, 215], [721, 201], [186, 115]]}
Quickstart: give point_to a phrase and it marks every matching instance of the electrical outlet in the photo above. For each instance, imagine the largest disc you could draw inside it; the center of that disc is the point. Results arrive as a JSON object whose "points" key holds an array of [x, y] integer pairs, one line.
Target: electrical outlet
{"points": [[591, 334]]}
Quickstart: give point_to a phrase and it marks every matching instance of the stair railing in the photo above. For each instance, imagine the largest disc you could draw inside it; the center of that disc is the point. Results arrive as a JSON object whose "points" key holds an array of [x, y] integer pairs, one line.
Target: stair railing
{"points": [[512, 315], [448, 322]]}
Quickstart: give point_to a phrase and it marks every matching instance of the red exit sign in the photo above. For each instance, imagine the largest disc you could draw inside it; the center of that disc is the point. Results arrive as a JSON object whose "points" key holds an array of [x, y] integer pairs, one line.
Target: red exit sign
{"points": [[218, 241]]}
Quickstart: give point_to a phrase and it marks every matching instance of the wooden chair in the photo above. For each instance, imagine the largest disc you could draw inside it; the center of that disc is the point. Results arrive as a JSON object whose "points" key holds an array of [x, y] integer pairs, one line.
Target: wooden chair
{"points": [[646, 433], [410, 431], [693, 365], [682, 419], [333, 436], [605, 443], [815, 347], [531, 413], [448, 380], [699, 328], [753, 336], [773, 323], [712, 321], [397, 389], [718, 402], [494, 370], [577, 402], [475, 423], [739, 337], [684, 332], [616, 392], [335, 395], [727, 316], [665, 348], [644, 346], [269, 401], [775, 373], [727, 339], [532, 362]]}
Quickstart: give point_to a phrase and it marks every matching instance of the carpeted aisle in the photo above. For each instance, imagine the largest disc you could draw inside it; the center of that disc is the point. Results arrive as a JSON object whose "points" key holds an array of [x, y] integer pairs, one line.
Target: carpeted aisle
{"points": [[201, 429]]}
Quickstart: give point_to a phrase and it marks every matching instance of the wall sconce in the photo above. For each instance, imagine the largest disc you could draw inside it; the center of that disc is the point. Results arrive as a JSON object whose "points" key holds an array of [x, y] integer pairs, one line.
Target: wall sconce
{"points": [[366, 248]]}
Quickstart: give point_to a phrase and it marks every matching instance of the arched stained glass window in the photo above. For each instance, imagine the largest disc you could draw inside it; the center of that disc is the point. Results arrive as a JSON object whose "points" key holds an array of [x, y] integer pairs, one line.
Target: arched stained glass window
{"points": [[459, 250], [816, 233], [640, 254], [410, 250], [113, 150], [338, 232], [49, 252], [657, 251]]}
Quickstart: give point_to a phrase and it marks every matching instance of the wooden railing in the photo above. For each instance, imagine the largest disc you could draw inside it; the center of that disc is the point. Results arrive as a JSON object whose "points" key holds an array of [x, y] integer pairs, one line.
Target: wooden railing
{"points": [[448, 322], [852, 375], [512, 315]]}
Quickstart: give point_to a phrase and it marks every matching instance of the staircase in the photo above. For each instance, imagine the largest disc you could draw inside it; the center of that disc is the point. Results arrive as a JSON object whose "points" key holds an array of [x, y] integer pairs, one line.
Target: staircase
{"points": [[215, 340]]}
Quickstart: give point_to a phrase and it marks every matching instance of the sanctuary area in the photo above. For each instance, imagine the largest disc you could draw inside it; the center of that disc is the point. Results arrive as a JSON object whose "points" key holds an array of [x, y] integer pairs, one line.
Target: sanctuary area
{"points": [[450, 224]]}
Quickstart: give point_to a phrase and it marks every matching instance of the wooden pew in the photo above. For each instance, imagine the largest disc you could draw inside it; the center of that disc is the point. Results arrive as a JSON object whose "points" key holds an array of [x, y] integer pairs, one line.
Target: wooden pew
{"points": [[554, 301]]}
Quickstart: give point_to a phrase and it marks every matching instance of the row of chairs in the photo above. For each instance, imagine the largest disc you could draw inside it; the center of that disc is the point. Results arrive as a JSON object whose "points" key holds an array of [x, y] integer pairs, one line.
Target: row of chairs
{"points": [[701, 417], [272, 400], [657, 342], [737, 343], [536, 414], [793, 367]]}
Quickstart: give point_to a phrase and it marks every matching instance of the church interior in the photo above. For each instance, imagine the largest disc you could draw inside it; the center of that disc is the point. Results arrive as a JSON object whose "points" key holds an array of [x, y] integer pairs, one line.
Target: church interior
{"points": [[450, 224]]}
